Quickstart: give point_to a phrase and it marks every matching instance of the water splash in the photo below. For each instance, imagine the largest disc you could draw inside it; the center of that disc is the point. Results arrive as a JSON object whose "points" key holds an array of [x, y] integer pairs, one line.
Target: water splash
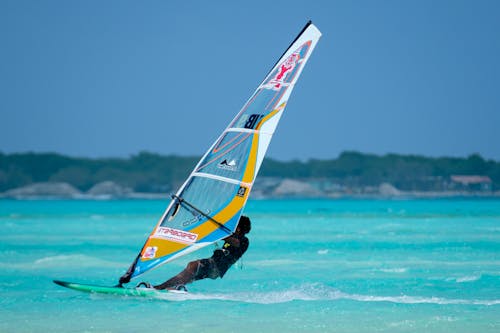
{"points": [[318, 292]]}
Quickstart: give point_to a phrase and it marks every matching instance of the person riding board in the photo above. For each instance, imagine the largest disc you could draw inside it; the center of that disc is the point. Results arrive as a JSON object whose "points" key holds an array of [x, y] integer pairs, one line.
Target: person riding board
{"points": [[216, 266]]}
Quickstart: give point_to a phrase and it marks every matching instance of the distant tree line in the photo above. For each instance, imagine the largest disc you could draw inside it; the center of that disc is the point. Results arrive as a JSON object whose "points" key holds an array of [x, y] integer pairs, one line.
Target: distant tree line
{"points": [[144, 172], [149, 172], [406, 172]]}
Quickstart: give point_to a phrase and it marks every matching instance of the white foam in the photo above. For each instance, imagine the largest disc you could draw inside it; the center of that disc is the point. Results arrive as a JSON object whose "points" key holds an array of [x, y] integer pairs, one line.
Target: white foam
{"points": [[317, 292], [464, 279], [61, 261], [75, 259], [444, 318], [394, 270], [402, 324], [469, 278]]}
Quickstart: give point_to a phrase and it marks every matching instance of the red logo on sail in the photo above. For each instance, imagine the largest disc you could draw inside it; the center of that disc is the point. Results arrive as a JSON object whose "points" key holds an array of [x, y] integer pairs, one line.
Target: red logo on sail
{"points": [[284, 69], [150, 252]]}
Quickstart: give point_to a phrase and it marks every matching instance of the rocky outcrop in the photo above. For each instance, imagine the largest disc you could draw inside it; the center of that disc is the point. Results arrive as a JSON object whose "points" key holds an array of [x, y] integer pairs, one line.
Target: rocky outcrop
{"points": [[108, 190], [295, 188], [44, 190], [388, 190]]}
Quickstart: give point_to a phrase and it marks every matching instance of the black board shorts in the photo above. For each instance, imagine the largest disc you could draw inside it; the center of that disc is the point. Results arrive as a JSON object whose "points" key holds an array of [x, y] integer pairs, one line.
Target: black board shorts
{"points": [[206, 269]]}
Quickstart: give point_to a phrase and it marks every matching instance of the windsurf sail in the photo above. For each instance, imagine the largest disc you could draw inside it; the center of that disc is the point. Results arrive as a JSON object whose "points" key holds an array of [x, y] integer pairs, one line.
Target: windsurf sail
{"points": [[208, 205]]}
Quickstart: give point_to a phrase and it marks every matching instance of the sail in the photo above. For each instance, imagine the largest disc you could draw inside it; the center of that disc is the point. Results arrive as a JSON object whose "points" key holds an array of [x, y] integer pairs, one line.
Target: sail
{"points": [[209, 204]]}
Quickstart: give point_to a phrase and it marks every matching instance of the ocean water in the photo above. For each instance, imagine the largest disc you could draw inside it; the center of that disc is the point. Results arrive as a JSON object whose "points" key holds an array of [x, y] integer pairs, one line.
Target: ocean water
{"points": [[312, 266]]}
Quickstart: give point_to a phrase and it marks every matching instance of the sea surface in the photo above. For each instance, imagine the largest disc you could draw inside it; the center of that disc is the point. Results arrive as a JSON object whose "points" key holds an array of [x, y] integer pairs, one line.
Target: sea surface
{"points": [[312, 266]]}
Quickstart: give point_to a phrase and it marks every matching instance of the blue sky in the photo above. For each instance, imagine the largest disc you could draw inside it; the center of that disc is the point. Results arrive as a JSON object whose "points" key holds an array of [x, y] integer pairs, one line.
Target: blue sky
{"points": [[112, 78]]}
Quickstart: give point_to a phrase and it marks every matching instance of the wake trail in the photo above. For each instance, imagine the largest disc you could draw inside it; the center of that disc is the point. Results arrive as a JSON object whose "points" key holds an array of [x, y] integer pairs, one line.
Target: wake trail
{"points": [[319, 293]]}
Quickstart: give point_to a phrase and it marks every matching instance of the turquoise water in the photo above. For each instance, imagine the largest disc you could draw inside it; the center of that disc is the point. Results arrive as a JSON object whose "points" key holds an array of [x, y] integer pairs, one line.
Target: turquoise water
{"points": [[312, 266]]}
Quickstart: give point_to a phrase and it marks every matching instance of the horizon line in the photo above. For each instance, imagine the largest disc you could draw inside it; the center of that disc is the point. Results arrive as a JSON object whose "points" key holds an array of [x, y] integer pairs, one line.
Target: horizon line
{"points": [[132, 155]]}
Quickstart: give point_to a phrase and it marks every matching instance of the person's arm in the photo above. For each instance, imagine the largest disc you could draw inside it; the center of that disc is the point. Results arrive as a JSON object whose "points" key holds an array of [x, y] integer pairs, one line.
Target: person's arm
{"points": [[233, 241]]}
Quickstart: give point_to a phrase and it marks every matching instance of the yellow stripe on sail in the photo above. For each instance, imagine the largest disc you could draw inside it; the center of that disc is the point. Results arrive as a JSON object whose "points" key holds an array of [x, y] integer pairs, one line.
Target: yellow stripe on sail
{"points": [[271, 114], [223, 216], [167, 247]]}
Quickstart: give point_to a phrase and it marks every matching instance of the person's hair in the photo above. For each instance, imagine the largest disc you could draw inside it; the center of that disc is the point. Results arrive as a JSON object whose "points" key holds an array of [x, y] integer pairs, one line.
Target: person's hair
{"points": [[244, 224]]}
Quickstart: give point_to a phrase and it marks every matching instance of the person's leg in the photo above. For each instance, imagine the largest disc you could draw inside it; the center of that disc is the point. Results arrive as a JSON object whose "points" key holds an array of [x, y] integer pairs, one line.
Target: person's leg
{"points": [[184, 277]]}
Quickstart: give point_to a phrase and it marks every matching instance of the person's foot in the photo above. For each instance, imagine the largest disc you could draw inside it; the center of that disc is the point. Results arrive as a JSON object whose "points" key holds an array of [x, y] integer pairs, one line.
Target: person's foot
{"points": [[180, 287], [144, 285]]}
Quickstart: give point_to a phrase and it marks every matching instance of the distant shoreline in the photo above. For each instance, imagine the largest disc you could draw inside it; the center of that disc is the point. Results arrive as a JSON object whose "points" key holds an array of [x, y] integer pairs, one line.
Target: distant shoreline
{"points": [[294, 190], [351, 175]]}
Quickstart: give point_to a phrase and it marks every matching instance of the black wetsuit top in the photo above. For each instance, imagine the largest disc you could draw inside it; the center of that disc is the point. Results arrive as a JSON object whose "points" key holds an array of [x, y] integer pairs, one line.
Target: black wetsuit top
{"points": [[229, 254]]}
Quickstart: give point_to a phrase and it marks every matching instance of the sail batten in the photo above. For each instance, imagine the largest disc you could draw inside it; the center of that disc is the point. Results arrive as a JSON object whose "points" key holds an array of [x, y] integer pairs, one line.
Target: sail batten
{"points": [[242, 130], [220, 184], [222, 179]]}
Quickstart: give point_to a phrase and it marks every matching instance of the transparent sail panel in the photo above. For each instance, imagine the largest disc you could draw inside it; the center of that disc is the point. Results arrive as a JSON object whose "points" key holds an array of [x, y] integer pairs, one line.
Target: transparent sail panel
{"points": [[263, 102], [267, 97], [229, 156], [208, 195]]}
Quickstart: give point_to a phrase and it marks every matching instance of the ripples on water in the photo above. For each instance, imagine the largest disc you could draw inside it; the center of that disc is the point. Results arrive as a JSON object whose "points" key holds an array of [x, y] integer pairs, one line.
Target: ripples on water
{"points": [[312, 265]]}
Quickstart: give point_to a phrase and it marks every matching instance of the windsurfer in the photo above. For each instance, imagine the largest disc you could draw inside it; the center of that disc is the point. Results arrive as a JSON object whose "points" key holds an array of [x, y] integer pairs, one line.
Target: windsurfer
{"points": [[215, 266]]}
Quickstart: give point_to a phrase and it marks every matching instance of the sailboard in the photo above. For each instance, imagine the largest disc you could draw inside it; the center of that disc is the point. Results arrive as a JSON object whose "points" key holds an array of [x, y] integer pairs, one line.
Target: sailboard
{"points": [[208, 205], [116, 290]]}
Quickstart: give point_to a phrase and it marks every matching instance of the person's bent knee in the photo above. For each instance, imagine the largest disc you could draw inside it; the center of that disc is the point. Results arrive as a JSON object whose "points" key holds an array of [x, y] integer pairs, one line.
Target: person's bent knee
{"points": [[193, 265]]}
